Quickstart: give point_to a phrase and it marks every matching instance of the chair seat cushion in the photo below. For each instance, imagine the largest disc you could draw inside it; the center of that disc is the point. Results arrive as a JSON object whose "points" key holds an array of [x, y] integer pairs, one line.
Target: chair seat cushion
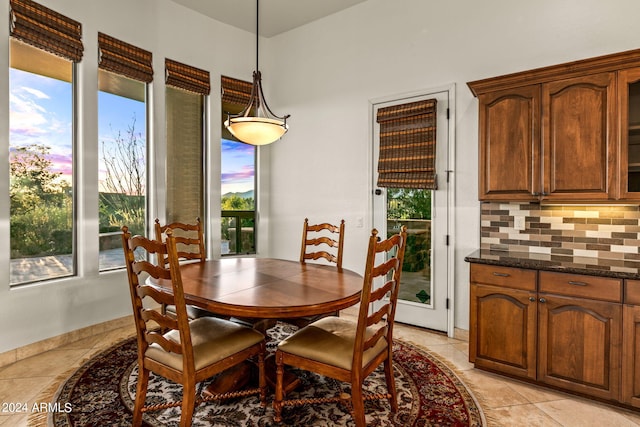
{"points": [[213, 339], [330, 340]]}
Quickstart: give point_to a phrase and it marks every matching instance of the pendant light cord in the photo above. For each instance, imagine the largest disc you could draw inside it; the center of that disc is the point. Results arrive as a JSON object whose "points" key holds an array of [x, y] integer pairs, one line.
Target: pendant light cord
{"points": [[257, 32]]}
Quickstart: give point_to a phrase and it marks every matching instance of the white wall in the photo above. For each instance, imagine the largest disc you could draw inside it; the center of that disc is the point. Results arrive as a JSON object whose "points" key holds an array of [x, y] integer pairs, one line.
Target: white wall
{"points": [[32, 313], [328, 72], [324, 75]]}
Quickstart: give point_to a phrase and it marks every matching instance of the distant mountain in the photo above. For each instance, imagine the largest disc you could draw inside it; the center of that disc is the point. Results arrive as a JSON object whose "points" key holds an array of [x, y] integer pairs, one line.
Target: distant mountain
{"points": [[244, 195]]}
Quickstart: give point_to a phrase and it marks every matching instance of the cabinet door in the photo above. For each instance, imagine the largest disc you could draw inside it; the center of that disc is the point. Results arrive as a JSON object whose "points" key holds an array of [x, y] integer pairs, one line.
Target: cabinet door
{"points": [[629, 110], [579, 131], [579, 345], [509, 136], [631, 356], [503, 330]]}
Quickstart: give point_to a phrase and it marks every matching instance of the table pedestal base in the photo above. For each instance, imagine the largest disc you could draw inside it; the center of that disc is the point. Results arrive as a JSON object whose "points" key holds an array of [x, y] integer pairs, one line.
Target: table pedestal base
{"points": [[237, 377], [233, 379]]}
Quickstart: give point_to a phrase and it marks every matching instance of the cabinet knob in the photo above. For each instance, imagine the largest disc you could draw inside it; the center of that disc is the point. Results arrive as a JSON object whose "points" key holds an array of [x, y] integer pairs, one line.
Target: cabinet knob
{"points": [[543, 300], [532, 299]]}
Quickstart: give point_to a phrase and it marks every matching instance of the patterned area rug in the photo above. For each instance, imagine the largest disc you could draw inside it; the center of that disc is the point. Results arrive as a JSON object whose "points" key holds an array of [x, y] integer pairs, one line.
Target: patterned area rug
{"points": [[101, 393]]}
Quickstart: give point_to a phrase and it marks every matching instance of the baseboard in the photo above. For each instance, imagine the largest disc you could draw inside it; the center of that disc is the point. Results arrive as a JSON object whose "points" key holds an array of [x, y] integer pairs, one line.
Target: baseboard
{"points": [[20, 353], [461, 334]]}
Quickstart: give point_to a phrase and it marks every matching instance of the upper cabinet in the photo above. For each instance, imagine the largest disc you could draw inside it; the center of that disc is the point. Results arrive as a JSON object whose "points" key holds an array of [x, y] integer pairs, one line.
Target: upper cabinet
{"points": [[578, 138], [510, 144], [629, 96], [566, 133]]}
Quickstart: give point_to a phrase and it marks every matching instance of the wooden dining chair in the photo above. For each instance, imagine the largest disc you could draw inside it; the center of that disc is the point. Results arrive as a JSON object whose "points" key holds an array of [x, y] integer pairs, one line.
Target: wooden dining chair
{"points": [[347, 350], [189, 239], [320, 241], [190, 243], [190, 351]]}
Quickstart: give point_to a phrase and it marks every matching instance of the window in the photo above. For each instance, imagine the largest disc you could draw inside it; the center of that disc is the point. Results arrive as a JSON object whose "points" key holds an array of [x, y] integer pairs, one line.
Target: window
{"points": [[238, 197], [185, 100], [238, 168], [122, 124], [43, 48]]}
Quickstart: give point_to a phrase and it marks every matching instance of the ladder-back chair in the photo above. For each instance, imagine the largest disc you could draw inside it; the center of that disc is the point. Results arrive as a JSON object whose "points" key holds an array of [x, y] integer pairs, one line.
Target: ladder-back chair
{"points": [[182, 350], [346, 350]]}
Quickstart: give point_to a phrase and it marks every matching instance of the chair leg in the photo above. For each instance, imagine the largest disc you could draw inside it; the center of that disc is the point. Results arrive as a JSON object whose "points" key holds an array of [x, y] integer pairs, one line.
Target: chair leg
{"points": [[188, 404], [357, 401], [277, 401], [262, 379], [391, 385], [141, 395]]}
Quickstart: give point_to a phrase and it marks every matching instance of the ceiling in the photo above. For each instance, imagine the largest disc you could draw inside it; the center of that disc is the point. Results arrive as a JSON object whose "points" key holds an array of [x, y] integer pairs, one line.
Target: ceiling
{"points": [[276, 16]]}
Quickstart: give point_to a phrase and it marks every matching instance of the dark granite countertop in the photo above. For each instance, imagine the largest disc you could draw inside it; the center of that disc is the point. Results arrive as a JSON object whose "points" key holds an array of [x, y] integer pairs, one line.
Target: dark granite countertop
{"points": [[617, 268]]}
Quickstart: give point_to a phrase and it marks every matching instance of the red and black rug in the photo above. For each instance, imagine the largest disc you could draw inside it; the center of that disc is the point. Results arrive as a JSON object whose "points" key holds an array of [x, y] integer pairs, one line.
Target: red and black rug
{"points": [[101, 392]]}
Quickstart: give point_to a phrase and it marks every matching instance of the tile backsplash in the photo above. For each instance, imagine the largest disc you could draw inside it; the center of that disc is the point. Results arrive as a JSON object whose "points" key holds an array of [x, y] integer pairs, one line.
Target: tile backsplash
{"points": [[586, 231]]}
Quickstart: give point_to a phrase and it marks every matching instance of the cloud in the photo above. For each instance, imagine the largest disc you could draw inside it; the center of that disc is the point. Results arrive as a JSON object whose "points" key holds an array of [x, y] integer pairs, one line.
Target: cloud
{"points": [[244, 175], [35, 92]]}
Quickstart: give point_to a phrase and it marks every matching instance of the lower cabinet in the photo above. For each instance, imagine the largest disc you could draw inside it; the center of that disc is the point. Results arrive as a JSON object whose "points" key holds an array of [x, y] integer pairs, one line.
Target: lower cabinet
{"points": [[510, 350], [579, 345], [631, 344], [560, 329]]}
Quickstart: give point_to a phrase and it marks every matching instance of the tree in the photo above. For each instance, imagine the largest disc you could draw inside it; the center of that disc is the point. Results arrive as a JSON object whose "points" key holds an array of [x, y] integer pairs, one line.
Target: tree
{"points": [[406, 203], [234, 202], [123, 199], [32, 181], [41, 205]]}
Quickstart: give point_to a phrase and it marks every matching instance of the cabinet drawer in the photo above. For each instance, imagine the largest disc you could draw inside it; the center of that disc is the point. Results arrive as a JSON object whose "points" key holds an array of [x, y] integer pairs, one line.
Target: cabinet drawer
{"points": [[510, 277], [632, 292], [582, 286]]}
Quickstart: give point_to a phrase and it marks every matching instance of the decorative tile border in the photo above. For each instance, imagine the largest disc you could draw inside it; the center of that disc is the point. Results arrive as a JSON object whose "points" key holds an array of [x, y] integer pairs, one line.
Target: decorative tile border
{"points": [[611, 232]]}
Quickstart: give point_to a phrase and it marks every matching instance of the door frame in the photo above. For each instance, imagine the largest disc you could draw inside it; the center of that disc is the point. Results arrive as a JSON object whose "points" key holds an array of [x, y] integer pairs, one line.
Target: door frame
{"points": [[451, 89]]}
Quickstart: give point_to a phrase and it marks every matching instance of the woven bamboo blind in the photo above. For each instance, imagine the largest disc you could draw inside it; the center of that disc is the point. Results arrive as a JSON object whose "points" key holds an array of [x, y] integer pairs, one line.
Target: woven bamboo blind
{"points": [[124, 59], [408, 145], [186, 77], [235, 91], [46, 29]]}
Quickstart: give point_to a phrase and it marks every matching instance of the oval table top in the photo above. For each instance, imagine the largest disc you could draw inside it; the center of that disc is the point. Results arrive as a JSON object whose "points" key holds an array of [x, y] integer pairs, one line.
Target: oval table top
{"points": [[267, 287]]}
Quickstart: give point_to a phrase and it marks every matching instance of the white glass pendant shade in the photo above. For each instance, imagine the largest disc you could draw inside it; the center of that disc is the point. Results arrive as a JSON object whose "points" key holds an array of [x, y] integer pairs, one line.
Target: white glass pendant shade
{"points": [[256, 130]]}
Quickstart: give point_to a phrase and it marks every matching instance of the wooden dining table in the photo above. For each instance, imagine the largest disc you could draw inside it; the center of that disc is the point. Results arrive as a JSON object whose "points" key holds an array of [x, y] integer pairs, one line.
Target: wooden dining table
{"points": [[266, 287]]}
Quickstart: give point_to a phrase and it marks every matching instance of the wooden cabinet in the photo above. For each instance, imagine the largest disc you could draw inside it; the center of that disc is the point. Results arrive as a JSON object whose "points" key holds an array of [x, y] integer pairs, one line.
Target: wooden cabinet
{"points": [[629, 101], [510, 162], [580, 333], [559, 329], [579, 138], [503, 296], [551, 141], [631, 345], [562, 133]]}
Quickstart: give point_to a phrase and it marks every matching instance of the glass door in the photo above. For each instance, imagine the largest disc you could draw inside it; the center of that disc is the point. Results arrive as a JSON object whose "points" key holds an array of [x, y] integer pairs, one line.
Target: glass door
{"points": [[424, 289], [629, 95]]}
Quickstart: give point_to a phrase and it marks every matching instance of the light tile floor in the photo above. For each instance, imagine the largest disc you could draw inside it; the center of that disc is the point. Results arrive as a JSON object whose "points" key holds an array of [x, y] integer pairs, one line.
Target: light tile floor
{"points": [[505, 402]]}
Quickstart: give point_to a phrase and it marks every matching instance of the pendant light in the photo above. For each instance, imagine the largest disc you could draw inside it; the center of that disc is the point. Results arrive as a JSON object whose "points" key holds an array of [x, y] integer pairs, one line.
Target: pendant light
{"points": [[257, 124]]}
